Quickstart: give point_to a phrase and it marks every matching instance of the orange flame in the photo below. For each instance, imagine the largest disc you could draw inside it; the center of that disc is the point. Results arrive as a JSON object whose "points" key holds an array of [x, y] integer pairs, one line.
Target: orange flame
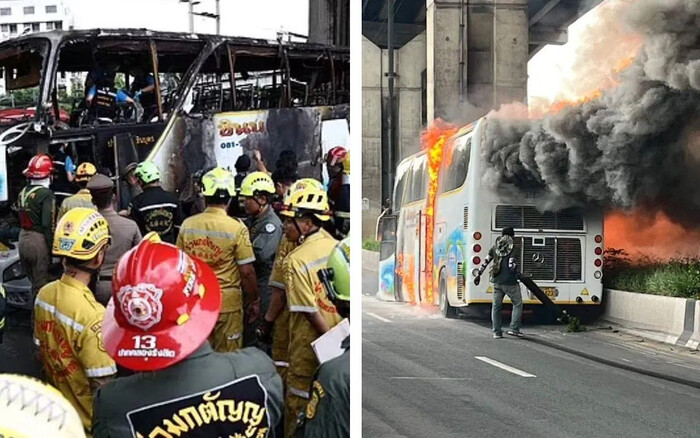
{"points": [[656, 236], [433, 141], [406, 274]]}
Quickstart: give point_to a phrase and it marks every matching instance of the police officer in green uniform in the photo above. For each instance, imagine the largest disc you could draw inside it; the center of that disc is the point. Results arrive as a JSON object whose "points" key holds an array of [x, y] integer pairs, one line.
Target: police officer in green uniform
{"points": [[328, 413], [257, 191], [37, 211], [163, 307]]}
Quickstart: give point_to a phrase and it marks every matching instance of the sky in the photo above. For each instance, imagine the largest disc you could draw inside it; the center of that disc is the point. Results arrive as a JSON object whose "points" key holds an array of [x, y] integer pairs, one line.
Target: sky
{"points": [[550, 68], [259, 18]]}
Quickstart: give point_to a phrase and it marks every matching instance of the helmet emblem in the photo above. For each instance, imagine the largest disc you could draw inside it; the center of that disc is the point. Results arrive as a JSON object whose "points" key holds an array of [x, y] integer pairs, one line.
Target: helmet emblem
{"points": [[68, 227], [141, 305]]}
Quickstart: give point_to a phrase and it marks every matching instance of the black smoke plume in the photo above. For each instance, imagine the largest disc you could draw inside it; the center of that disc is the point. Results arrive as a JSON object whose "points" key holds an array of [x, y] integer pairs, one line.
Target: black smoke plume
{"points": [[634, 146]]}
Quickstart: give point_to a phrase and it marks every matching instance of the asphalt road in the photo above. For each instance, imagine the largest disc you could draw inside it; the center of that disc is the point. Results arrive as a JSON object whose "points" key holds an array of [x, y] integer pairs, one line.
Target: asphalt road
{"points": [[426, 376]]}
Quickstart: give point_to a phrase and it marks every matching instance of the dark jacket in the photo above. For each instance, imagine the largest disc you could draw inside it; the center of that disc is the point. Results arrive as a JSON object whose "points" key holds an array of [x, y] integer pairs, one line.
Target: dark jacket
{"points": [[157, 210], [205, 395]]}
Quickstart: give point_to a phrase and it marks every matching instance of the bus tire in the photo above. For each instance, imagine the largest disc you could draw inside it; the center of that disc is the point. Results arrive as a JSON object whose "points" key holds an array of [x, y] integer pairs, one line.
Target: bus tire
{"points": [[445, 308]]}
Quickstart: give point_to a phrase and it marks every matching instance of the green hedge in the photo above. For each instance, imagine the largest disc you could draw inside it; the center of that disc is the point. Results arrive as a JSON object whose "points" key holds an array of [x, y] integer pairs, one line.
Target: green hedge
{"points": [[370, 245], [678, 277]]}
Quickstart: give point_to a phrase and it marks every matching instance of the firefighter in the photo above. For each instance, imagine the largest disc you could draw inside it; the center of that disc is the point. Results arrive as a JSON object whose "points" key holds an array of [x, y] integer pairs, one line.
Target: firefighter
{"points": [[257, 190], [310, 313], [68, 319], [64, 175], [274, 326], [328, 413], [36, 207], [164, 306], [124, 232], [155, 209], [338, 168], [224, 244], [33, 409], [83, 199]]}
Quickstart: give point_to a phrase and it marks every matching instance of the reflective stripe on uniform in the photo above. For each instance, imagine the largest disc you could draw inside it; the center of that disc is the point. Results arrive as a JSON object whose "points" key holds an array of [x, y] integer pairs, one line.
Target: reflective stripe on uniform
{"points": [[60, 316], [246, 261], [299, 392], [164, 205], [37, 343], [342, 214], [304, 309], [100, 372], [280, 363], [63, 194], [277, 284], [309, 266], [208, 233]]}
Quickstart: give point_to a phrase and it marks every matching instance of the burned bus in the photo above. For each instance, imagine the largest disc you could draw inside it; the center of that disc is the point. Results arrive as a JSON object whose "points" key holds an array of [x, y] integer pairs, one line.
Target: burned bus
{"points": [[212, 99]]}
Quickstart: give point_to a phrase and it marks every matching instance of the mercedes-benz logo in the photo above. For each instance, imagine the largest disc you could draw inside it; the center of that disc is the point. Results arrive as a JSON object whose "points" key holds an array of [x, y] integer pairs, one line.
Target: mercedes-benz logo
{"points": [[538, 258]]}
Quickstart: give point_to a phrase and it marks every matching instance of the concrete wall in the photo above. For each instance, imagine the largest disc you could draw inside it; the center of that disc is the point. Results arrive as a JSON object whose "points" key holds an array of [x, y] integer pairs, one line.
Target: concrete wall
{"points": [[329, 22], [409, 63], [665, 319]]}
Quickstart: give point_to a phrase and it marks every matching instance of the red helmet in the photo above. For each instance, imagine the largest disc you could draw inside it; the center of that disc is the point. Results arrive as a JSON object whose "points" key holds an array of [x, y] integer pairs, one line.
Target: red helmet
{"points": [[39, 167], [164, 306], [336, 155]]}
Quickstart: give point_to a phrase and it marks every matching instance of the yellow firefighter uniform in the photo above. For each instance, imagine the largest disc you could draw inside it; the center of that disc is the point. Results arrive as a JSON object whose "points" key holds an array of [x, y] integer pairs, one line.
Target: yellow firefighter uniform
{"points": [[67, 329], [280, 334], [81, 199], [305, 294], [224, 244]]}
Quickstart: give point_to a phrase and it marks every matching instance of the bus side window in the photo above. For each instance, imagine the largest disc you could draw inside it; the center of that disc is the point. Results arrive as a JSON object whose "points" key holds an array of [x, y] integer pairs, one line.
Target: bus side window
{"points": [[419, 182], [398, 193], [407, 195], [456, 175]]}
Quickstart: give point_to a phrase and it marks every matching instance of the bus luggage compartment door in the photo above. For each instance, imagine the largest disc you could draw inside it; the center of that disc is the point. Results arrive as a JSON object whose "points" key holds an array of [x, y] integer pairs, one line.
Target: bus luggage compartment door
{"points": [[386, 234]]}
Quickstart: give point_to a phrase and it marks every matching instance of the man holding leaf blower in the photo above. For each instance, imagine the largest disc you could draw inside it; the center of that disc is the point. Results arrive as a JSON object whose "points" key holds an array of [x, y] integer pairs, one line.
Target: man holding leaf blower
{"points": [[504, 276]]}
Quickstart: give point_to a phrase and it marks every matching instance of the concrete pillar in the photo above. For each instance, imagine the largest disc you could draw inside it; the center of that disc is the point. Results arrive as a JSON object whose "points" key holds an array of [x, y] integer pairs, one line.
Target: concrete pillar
{"points": [[477, 55], [329, 22]]}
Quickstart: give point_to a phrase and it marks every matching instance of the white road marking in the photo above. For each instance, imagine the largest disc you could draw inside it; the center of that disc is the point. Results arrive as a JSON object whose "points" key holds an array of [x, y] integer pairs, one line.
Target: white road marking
{"points": [[374, 315], [503, 366], [430, 378]]}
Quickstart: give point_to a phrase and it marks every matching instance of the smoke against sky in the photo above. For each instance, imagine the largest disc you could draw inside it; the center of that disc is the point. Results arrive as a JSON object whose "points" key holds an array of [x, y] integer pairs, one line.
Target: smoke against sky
{"points": [[635, 145]]}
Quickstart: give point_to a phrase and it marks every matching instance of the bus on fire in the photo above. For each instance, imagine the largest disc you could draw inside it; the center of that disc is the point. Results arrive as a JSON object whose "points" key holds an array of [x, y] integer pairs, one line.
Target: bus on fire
{"points": [[561, 251]]}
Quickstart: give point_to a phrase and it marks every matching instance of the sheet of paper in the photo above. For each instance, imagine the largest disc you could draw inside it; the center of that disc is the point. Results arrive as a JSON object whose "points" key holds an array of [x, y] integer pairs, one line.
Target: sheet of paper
{"points": [[327, 347]]}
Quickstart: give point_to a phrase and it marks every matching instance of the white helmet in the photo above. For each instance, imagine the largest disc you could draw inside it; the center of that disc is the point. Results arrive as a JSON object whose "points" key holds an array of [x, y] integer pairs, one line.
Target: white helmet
{"points": [[34, 410]]}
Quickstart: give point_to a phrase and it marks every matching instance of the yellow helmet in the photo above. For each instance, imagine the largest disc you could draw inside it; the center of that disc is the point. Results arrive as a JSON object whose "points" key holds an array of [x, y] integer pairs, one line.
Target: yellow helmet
{"points": [[80, 234], [257, 182], [85, 171], [307, 200], [346, 164], [300, 184], [219, 183], [31, 408]]}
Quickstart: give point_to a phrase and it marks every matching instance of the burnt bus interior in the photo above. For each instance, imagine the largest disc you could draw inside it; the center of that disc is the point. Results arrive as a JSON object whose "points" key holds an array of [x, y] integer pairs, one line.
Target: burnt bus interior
{"points": [[195, 76]]}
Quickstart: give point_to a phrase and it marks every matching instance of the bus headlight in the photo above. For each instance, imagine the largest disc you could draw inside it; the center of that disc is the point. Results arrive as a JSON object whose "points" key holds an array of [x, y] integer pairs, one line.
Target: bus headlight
{"points": [[475, 272], [597, 275]]}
